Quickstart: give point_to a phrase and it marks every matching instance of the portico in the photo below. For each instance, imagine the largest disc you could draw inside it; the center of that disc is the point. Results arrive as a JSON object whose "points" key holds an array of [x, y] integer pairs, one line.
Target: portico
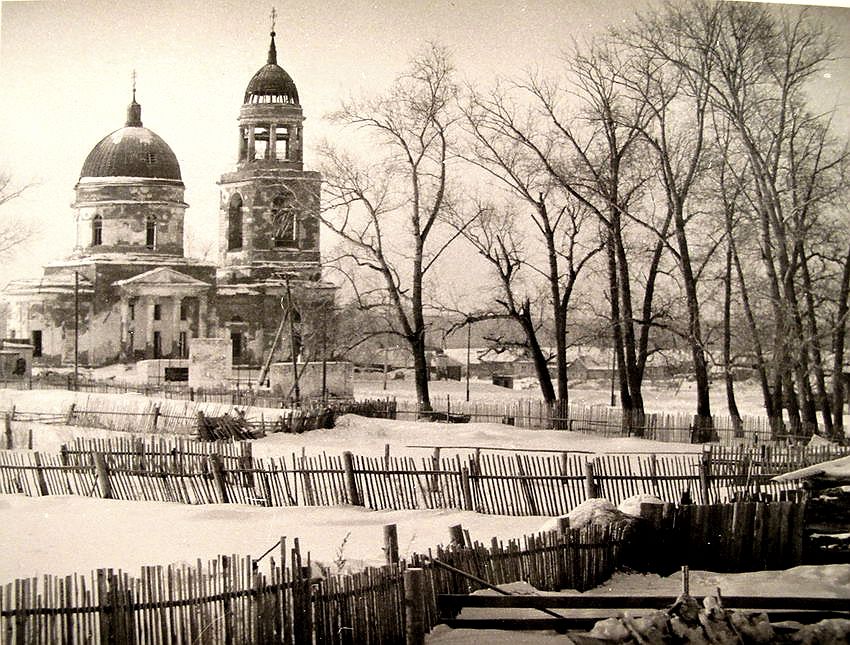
{"points": [[161, 310]]}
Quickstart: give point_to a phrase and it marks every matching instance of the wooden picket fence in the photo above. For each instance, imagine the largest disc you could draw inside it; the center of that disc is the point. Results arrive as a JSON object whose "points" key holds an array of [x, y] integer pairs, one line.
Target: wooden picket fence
{"points": [[600, 420], [191, 472], [231, 600], [237, 599]]}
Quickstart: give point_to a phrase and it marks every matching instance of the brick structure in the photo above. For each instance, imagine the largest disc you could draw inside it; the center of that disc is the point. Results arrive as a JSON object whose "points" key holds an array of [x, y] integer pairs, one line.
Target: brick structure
{"points": [[128, 284]]}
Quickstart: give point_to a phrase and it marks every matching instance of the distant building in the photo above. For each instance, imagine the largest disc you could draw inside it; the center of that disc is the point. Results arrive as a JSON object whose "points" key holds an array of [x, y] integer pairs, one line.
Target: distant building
{"points": [[128, 281]]}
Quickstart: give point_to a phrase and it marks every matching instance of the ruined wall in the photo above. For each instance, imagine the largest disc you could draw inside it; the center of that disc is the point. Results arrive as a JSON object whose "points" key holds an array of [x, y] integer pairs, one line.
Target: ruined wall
{"points": [[339, 379], [209, 363]]}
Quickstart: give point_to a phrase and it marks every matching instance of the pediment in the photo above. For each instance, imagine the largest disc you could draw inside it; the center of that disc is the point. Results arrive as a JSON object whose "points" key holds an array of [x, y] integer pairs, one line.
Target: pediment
{"points": [[161, 277]]}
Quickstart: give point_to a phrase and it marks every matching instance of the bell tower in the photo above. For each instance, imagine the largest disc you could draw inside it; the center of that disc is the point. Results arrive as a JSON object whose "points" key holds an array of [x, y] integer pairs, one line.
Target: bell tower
{"points": [[268, 218]]}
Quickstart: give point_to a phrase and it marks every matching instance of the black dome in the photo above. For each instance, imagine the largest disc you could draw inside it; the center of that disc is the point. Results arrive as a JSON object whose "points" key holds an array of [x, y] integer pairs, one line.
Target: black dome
{"points": [[132, 152], [271, 83]]}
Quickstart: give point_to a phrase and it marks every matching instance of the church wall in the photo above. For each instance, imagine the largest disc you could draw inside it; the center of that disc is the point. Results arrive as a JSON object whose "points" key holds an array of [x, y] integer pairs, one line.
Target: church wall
{"points": [[257, 194], [124, 207]]}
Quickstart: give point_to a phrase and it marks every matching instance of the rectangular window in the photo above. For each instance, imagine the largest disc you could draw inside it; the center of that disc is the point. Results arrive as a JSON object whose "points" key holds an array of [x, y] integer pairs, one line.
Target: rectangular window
{"points": [[157, 312], [184, 310], [176, 373], [36, 343], [157, 345], [182, 345], [132, 306]]}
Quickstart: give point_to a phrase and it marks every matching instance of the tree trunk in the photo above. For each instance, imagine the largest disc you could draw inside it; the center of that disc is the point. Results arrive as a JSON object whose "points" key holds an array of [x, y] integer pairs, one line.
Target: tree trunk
{"points": [[838, 353], [420, 371], [731, 403], [703, 416], [817, 355]]}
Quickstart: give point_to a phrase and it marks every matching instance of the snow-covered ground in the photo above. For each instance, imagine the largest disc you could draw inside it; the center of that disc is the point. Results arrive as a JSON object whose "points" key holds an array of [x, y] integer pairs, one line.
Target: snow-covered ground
{"points": [[828, 581], [61, 535]]}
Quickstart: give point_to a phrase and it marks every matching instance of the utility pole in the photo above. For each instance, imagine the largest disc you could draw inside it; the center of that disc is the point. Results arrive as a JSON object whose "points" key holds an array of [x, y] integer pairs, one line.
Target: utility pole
{"points": [[297, 389], [468, 343], [76, 330], [324, 358]]}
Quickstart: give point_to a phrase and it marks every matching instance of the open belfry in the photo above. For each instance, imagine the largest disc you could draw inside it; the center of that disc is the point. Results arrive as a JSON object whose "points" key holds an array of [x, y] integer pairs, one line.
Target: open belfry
{"points": [[128, 291]]}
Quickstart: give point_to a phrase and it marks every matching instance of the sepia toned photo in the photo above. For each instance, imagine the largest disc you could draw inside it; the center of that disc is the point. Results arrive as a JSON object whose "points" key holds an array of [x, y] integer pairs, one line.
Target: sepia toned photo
{"points": [[450, 322]]}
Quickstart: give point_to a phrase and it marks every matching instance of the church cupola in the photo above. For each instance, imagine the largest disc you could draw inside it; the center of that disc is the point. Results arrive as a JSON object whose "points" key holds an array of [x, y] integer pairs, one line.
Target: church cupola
{"points": [[270, 120], [129, 198]]}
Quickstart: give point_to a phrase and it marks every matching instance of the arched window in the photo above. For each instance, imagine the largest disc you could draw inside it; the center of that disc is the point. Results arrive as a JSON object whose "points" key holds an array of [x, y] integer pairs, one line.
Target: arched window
{"points": [[97, 231], [283, 218], [150, 231], [234, 223]]}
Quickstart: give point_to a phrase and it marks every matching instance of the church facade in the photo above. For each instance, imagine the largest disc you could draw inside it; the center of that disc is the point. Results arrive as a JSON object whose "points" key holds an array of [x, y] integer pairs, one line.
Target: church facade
{"points": [[128, 291]]}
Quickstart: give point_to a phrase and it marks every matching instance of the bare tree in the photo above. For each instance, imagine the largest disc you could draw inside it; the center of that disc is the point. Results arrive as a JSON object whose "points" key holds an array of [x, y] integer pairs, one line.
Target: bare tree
{"points": [[14, 230], [507, 143], [386, 207]]}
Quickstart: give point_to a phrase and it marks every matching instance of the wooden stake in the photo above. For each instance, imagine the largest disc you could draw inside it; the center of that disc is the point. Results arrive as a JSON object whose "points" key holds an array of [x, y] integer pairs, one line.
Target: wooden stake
{"points": [[10, 440], [589, 483], [456, 535], [39, 473], [391, 543], [466, 489], [217, 469], [414, 601], [104, 485], [350, 483]]}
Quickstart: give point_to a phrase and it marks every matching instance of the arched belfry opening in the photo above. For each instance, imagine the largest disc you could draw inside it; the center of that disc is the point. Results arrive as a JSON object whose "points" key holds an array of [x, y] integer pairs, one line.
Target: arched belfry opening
{"points": [[270, 122], [283, 221], [234, 223]]}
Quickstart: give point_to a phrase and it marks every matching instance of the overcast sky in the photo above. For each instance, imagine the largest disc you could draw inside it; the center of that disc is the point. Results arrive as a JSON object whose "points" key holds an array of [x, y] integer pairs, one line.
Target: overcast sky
{"points": [[65, 71]]}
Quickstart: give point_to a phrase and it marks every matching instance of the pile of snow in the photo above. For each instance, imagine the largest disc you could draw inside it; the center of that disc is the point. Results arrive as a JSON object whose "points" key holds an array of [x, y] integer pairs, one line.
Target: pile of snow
{"points": [[591, 512], [631, 505]]}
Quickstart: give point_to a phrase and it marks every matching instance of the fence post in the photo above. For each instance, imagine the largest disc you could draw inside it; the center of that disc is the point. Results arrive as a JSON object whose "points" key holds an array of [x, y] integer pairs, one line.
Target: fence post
{"points": [[705, 475], [414, 616], [69, 416], [155, 415], [456, 535], [10, 439], [391, 543], [466, 489], [435, 466], [246, 463], [39, 475], [590, 488], [564, 525], [350, 484], [102, 472], [217, 468]]}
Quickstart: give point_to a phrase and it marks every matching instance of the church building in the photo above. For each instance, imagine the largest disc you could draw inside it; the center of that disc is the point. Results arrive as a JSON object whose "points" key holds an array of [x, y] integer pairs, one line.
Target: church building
{"points": [[128, 291]]}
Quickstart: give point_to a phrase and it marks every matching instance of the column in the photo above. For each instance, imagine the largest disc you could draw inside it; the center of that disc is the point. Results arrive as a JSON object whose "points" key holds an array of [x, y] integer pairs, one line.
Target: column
{"points": [[148, 309], [243, 146], [125, 322], [175, 325], [202, 316], [273, 141], [251, 142]]}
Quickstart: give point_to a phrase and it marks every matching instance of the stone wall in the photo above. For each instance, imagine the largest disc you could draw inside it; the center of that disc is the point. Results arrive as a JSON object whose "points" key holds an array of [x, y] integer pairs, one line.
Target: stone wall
{"points": [[210, 362]]}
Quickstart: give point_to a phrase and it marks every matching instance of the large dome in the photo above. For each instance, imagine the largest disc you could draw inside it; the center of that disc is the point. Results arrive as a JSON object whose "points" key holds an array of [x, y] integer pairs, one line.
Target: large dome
{"points": [[132, 151], [271, 83]]}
